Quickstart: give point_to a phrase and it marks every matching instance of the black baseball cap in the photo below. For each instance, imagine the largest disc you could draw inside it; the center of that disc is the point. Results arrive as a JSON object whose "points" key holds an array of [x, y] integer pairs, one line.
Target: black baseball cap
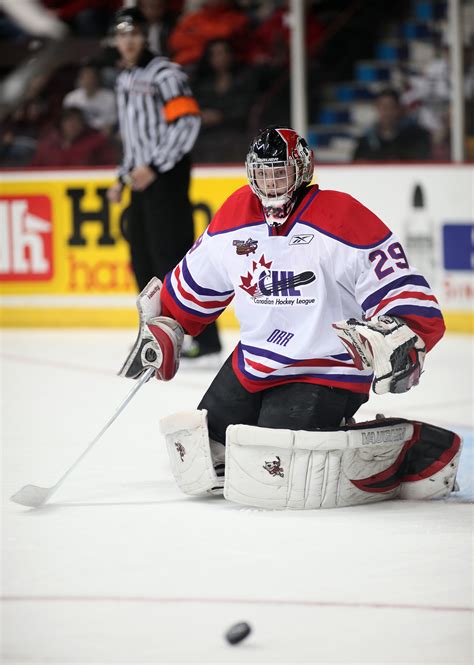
{"points": [[127, 19]]}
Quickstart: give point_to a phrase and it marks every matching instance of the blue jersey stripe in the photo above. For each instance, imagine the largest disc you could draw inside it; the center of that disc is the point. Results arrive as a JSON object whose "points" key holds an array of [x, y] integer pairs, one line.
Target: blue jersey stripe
{"points": [[194, 312], [297, 219], [427, 312], [284, 360], [350, 378], [410, 280], [344, 242], [200, 289], [237, 228]]}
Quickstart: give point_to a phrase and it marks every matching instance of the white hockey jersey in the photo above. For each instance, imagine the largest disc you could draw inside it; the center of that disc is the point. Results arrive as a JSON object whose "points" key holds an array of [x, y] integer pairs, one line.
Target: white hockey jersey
{"points": [[332, 259]]}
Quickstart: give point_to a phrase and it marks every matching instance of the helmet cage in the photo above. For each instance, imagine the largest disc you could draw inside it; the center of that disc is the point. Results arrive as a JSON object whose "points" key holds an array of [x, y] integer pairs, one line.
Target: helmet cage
{"points": [[270, 180]]}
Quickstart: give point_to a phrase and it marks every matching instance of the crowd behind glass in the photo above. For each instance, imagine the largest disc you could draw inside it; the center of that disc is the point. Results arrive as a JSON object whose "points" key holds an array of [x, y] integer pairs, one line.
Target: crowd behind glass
{"points": [[237, 57]]}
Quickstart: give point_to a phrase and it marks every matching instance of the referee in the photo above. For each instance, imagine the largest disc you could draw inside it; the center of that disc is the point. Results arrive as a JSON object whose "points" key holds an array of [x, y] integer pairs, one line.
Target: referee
{"points": [[159, 123]]}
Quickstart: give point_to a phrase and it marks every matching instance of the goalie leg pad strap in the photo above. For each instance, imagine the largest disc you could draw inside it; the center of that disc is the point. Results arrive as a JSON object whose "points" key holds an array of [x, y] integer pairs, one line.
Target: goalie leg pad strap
{"points": [[189, 451], [364, 463]]}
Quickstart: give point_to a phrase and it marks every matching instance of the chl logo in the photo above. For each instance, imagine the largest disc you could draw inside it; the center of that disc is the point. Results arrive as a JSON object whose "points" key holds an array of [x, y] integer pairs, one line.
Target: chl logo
{"points": [[26, 238], [261, 281]]}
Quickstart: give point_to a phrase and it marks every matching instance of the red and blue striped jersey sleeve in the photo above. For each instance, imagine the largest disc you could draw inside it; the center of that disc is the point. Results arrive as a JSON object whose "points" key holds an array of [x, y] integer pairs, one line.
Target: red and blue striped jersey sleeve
{"points": [[387, 284], [197, 291]]}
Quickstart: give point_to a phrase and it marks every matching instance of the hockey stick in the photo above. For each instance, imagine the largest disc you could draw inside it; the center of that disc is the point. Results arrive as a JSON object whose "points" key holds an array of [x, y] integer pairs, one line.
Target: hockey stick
{"points": [[34, 496]]}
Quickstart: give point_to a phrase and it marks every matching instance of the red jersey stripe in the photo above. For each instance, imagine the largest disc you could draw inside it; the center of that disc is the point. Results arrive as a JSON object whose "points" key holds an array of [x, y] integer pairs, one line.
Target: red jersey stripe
{"points": [[404, 295], [207, 304]]}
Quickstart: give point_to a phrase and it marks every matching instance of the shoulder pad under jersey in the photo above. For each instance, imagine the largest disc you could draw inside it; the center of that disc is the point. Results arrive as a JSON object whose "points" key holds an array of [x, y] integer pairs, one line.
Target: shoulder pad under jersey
{"points": [[342, 217], [241, 209]]}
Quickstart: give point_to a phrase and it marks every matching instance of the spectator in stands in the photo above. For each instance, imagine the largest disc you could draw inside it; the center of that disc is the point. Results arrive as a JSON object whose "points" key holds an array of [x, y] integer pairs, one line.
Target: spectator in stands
{"points": [[74, 144], [469, 100], [86, 18], [270, 40], [19, 132], [393, 137], [97, 103], [225, 91], [161, 22], [217, 19], [428, 98]]}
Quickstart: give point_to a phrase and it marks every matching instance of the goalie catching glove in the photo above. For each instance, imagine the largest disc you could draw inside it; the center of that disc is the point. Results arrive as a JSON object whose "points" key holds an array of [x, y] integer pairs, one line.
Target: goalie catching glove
{"points": [[159, 339], [388, 347]]}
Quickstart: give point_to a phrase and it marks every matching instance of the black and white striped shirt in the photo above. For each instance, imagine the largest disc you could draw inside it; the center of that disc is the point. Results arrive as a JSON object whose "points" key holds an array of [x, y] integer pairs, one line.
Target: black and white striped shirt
{"points": [[159, 117]]}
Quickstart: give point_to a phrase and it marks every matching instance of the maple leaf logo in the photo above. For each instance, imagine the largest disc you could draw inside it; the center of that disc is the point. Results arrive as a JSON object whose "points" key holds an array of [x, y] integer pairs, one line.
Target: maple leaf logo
{"points": [[248, 284], [263, 263]]}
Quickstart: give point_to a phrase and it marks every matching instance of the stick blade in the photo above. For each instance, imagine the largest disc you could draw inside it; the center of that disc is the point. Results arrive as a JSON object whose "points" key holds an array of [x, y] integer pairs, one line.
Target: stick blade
{"points": [[31, 496]]}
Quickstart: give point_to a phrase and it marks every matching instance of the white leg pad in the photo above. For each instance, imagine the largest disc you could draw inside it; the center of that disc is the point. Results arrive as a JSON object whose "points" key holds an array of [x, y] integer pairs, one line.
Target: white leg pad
{"points": [[273, 468], [189, 450]]}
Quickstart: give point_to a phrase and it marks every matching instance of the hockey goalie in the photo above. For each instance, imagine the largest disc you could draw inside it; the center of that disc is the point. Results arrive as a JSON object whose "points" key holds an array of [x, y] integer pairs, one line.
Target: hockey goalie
{"points": [[328, 306]]}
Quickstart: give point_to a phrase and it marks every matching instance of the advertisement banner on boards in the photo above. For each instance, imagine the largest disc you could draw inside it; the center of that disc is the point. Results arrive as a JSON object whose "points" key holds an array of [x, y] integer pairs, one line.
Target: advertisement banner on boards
{"points": [[64, 257]]}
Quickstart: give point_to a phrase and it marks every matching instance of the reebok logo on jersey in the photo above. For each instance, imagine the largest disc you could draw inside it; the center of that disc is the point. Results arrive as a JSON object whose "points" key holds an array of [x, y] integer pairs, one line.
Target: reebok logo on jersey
{"points": [[301, 239]]}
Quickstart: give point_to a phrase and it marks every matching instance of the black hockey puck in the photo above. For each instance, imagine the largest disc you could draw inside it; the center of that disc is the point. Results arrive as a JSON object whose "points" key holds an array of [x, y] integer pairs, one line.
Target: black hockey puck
{"points": [[238, 632]]}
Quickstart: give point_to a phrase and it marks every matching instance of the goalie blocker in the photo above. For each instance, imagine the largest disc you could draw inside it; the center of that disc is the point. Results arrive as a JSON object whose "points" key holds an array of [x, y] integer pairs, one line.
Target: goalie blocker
{"points": [[278, 468], [159, 339]]}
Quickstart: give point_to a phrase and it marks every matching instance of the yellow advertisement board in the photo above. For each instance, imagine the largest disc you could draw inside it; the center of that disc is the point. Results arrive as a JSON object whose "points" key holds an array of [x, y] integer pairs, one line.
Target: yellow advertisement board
{"points": [[64, 257]]}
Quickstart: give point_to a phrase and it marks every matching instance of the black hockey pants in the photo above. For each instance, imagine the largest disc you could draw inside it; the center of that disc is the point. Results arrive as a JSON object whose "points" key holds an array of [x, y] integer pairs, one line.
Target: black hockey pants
{"points": [[292, 406]]}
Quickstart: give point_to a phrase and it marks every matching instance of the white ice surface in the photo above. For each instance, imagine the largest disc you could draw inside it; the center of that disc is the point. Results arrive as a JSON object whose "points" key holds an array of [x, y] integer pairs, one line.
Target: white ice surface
{"points": [[122, 568]]}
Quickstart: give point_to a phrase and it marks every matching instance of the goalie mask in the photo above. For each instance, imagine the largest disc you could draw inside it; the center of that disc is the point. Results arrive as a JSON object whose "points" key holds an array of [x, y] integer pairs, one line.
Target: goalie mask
{"points": [[278, 163]]}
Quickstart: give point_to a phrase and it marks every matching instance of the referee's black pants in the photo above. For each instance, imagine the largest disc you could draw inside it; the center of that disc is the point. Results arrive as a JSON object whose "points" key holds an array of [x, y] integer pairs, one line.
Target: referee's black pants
{"points": [[161, 230], [160, 226]]}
